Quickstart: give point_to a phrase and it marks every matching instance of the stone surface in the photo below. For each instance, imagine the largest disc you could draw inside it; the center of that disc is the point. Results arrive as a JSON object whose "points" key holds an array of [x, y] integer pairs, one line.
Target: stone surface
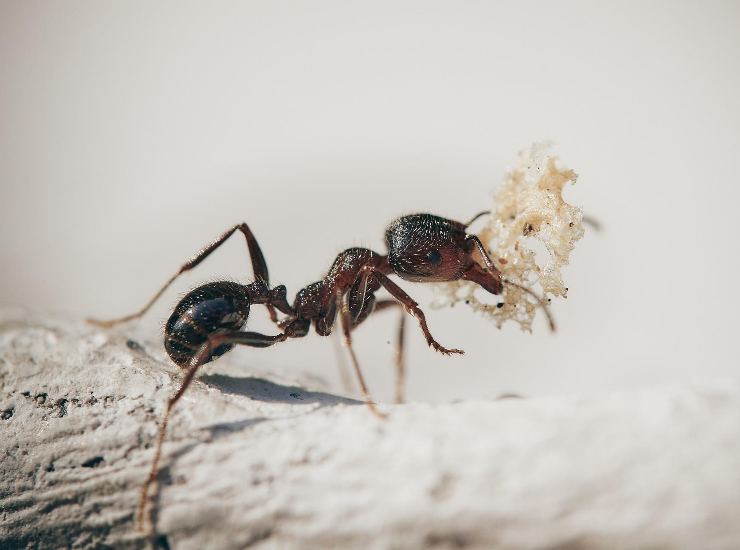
{"points": [[258, 462]]}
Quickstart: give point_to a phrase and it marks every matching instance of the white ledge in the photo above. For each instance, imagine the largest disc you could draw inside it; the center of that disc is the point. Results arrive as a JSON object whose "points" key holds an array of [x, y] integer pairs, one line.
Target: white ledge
{"points": [[252, 461]]}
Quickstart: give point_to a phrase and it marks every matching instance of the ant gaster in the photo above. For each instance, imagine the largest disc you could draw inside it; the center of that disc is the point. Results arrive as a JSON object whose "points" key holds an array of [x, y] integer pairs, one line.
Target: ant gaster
{"points": [[208, 321]]}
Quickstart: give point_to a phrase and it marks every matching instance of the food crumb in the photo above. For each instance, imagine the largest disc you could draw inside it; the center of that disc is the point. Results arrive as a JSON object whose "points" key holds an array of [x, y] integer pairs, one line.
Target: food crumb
{"points": [[528, 207]]}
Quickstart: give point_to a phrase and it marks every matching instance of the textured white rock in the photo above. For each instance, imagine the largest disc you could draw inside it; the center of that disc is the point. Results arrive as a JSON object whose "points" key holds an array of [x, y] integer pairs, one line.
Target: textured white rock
{"points": [[255, 462]]}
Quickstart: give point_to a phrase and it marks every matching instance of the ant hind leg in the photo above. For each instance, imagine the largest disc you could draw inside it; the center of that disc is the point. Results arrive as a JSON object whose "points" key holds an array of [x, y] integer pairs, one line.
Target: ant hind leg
{"points": [[259, 267], [253, 339]]}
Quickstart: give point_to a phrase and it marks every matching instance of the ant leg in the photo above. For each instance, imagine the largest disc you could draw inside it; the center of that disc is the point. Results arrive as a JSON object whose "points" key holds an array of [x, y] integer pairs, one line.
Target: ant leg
{"points": [[400, 363], [253, 339], [342, 367], [346, 320], [259, 267], [409, 305]]}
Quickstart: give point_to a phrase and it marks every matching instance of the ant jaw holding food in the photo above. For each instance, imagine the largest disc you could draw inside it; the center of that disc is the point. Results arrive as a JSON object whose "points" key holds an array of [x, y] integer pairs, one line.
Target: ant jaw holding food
{"points": [[490, 280]]}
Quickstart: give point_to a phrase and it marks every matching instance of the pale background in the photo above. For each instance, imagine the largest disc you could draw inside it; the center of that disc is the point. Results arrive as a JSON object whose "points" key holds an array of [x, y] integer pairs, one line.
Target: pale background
{"points": [[132, 133]]}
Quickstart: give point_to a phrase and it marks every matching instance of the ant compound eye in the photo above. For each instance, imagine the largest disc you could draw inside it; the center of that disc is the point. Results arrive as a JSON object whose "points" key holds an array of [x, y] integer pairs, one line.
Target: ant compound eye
{"points": [[434, 257], [425, 248]]}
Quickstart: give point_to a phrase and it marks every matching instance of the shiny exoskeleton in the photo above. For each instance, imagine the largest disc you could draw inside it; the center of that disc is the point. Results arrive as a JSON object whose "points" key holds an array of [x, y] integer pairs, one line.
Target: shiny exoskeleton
{"points": [[421, 248], [216, 308], [210, 320]]}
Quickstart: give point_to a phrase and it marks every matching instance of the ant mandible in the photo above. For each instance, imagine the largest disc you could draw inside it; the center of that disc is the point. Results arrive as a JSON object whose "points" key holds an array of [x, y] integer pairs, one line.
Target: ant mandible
{"points": [[208, 321]]}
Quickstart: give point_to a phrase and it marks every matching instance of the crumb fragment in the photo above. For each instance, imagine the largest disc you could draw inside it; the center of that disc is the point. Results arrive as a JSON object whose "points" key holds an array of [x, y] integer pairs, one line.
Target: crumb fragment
{"points": [[528, 208]]}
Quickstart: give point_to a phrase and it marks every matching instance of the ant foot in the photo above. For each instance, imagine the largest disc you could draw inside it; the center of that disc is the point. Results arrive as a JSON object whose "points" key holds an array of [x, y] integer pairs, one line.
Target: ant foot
{"points": [[379, 415], [444, 351]]}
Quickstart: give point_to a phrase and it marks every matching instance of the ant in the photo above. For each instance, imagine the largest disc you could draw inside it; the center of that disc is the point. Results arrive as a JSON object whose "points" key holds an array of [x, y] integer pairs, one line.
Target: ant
{"points": [[208, 321]]}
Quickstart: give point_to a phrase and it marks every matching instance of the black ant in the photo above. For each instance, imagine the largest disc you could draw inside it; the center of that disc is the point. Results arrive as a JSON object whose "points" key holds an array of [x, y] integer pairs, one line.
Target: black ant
{"points": [[208, 321]]}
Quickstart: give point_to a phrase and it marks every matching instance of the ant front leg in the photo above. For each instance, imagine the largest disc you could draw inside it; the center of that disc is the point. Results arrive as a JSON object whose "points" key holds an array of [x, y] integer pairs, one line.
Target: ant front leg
{"points": [[259, 267], [408, 303], [204, 355]]}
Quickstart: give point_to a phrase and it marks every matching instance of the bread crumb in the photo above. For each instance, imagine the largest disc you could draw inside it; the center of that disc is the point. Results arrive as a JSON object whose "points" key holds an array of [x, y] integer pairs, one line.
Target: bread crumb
{"points": [[528, 208]]}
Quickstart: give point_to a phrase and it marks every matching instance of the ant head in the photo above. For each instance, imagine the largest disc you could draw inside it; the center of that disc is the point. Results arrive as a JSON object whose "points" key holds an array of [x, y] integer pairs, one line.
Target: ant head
{"points": [[427, 248]]}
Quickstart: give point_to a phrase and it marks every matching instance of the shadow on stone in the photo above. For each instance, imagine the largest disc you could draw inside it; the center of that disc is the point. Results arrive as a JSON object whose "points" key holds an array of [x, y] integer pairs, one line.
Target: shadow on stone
{"points": [[226, 428], [270, 392]]}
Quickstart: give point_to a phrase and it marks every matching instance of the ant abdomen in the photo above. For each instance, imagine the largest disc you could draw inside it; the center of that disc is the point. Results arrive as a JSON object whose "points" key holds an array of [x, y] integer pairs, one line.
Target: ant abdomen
{"points": [[207, 310]]}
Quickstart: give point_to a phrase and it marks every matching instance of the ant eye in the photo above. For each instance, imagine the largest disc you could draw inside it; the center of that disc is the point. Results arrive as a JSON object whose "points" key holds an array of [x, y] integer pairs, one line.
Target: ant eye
{"points": [[434, 257]]}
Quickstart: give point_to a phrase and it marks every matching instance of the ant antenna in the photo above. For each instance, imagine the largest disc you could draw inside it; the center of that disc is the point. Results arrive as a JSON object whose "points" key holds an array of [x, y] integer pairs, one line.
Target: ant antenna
{"points": [[540, 301], [592, 222], [478, 215]]}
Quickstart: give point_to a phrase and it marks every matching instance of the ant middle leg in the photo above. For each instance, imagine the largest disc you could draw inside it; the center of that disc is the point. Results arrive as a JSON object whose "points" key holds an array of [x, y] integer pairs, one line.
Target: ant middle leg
{"points": [[342, 300], [203, 356], [259, 267], [399, 347]]}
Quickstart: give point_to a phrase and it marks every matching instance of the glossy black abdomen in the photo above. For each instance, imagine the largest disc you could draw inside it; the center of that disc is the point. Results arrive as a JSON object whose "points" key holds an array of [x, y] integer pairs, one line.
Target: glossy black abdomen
{"points": [[209, 309]]}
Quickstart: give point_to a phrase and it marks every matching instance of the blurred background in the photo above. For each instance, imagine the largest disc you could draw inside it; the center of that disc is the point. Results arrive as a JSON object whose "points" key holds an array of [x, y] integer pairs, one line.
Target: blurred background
{"points": [[133, 133]]}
